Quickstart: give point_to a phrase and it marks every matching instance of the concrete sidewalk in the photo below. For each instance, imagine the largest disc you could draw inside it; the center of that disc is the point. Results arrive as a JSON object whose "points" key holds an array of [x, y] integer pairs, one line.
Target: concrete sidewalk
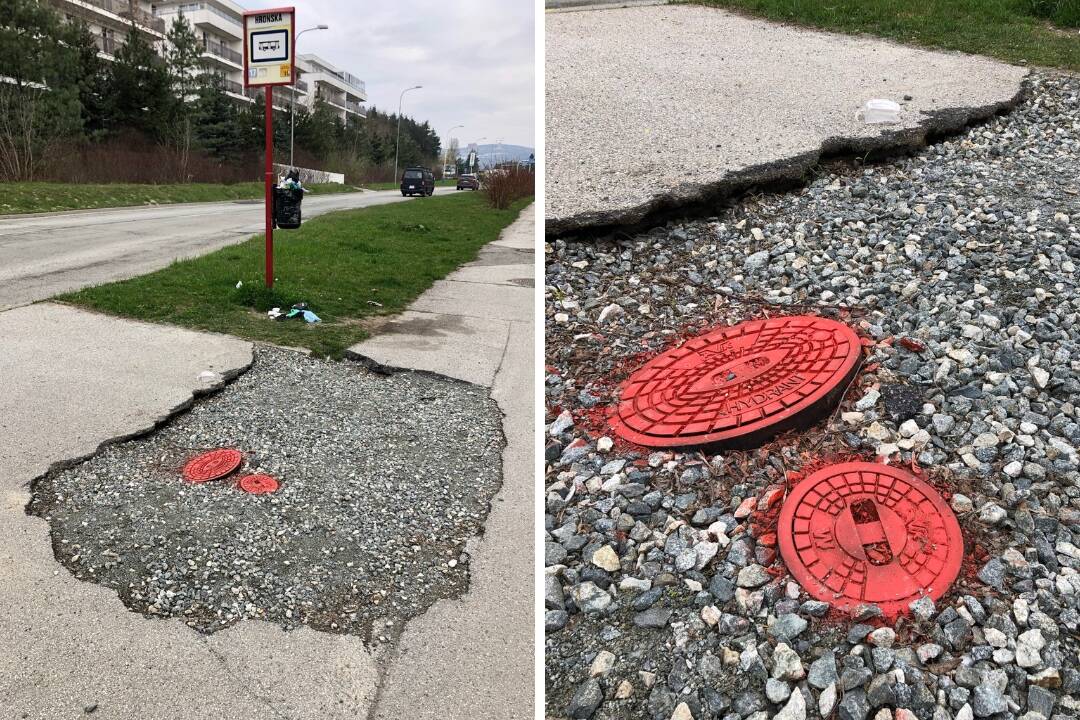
{"points": [[73, 380], [472, 658], [650, 108]]}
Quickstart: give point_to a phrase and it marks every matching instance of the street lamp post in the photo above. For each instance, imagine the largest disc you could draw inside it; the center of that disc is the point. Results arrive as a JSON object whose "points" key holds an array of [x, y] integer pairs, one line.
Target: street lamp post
{"points": [[448, 144], [397, 144], [292, 105]]}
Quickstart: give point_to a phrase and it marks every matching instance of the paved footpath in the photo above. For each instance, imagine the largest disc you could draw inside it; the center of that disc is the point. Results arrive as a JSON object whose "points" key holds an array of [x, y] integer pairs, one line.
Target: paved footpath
{"points": [[52, 253], [472, 658], [670, 104], [75, 380]]}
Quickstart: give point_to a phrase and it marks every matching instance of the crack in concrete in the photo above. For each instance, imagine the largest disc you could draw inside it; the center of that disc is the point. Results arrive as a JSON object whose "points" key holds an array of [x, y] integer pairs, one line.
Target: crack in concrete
{"points": [[223, 661], [227, 378], [692, 200]]}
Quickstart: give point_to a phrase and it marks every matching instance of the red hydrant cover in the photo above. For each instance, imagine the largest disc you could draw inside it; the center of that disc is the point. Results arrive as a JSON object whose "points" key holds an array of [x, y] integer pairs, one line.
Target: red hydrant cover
{"points": [[258, 484]]}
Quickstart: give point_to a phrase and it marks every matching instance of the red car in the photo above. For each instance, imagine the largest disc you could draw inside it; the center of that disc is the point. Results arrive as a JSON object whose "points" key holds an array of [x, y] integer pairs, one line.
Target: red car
{"points": [[468, 181]]}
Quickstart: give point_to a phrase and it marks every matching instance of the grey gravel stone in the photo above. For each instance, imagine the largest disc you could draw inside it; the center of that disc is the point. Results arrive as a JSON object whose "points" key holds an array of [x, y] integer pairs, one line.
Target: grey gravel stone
{"points": [[987, 701], [854, 706], [823, 671], [787, 627], [586, 699], [555, 620]]}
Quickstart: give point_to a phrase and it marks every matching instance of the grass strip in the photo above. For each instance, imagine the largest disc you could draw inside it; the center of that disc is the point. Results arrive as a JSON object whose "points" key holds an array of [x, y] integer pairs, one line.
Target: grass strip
{"points": [[339, 263], [1017, 31], [34, 197]]}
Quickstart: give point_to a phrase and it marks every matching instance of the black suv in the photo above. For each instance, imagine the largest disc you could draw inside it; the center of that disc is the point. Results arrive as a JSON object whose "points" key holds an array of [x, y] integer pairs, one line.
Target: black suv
{"points": [[417, 181]]}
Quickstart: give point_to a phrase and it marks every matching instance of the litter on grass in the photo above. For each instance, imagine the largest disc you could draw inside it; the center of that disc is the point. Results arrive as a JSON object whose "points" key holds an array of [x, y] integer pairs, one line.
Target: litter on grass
{"points": [[299, 310]]}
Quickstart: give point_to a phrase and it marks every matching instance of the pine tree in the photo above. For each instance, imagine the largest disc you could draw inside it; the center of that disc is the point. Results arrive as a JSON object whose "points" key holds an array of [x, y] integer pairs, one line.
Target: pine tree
{"points": [[140, 93], [183, 59], [90, 75], [39, 99], [218, 122]]}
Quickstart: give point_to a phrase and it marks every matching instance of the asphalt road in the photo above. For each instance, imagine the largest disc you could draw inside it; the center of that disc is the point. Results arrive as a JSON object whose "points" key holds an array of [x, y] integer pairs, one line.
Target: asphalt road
{"points": [[44, 255]]}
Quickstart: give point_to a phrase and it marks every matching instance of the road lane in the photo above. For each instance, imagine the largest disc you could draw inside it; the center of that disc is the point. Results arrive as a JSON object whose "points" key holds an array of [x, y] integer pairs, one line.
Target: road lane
{"points": [[44, 255]]}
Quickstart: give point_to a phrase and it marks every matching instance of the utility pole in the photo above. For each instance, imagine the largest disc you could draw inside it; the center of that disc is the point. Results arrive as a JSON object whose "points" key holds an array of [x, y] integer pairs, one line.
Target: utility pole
{"points": [[292, 105], [397, 145]]}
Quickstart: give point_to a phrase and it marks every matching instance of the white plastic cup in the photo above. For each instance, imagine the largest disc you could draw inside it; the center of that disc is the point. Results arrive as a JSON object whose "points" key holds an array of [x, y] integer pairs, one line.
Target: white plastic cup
{"points": [[879, 112]]}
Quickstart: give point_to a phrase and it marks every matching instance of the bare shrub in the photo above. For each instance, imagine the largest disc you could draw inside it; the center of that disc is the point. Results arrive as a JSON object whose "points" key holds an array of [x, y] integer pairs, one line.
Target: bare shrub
{"points": [[506, 184], [131, 158]]}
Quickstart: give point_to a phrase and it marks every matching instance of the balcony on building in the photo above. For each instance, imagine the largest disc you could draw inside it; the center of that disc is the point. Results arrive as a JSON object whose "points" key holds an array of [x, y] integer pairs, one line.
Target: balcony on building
{"points": [[117, 16], [318, 70], [222, 54], [218, 17]]}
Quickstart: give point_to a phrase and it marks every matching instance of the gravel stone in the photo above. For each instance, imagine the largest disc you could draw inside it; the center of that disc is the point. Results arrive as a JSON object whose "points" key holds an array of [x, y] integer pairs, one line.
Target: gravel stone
{"points": [[987, 701], [823, 671], [586, 699]]}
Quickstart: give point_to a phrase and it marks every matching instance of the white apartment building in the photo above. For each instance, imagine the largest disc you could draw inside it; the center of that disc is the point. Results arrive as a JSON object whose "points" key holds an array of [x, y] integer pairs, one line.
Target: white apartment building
{"points": [[110, 20], [219, 26], [342, 91]]}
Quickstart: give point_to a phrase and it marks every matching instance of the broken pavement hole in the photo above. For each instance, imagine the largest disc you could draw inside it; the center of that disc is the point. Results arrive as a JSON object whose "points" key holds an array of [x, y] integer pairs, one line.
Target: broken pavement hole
{"points": [[387, 479]]}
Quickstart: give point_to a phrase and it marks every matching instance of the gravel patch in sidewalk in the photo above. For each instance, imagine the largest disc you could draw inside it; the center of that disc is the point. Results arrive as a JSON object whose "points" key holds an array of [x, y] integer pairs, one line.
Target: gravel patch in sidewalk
{"points": [[665, 597], [383, 481]]}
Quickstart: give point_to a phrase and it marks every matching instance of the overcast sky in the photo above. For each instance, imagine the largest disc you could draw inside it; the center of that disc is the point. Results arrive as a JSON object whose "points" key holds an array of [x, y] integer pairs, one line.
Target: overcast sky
{"points": [[473, 57]]}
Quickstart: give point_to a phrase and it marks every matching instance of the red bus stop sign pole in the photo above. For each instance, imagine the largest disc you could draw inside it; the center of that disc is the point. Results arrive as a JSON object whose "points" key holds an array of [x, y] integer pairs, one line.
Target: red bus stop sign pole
{"points": [[269, 186], [269, 60]]}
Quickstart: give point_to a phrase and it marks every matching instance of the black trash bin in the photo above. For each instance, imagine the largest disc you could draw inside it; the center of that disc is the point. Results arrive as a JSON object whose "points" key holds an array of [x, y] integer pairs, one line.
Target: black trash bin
{"points": [[287, 207]]}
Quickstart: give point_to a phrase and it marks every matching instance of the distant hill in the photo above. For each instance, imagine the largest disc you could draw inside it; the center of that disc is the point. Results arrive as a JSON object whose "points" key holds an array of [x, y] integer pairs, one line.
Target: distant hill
{"points": [[491, 154]]}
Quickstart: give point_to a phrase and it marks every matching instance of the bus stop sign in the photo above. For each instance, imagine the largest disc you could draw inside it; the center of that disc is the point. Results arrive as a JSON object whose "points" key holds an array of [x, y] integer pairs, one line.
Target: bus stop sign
{"points": [[268, 47], [269, 60]]}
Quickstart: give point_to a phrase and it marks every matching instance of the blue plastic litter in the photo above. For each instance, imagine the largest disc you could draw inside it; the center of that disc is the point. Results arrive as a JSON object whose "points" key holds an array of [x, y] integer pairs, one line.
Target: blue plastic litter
{"points": [[311, 317]]}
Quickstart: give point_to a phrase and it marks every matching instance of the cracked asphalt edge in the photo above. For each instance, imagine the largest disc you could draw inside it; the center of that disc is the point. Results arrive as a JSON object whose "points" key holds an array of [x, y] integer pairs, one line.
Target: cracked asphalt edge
{"points": [[793, 170], [227, 378], [373, 365]]}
